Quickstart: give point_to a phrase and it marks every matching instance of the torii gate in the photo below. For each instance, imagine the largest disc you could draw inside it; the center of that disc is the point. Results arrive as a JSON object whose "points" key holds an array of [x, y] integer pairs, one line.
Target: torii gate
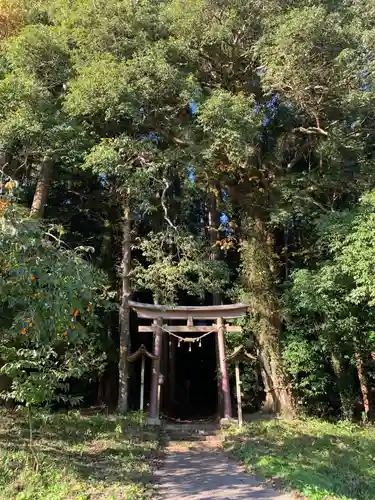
{"points": [[158, 314]]}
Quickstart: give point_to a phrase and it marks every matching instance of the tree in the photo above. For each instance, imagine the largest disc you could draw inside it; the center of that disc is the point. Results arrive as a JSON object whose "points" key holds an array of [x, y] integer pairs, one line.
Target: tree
{"points": [[49, 302], [338, 300], [36, 134], [131, 107]]}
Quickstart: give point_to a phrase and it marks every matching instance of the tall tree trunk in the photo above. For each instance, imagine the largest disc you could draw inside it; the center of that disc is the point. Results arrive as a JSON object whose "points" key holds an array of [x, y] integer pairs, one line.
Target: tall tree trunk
{"points": [[344, 386], [260, 273], [124, 317], [107, 387], [5, 383], [3, 157], [42, 189], [213, 223], [362, 378]]}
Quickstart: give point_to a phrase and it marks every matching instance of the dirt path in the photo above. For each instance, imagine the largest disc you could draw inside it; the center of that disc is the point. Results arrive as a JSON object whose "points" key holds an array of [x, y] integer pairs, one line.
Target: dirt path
{"points": [[208, 474]]}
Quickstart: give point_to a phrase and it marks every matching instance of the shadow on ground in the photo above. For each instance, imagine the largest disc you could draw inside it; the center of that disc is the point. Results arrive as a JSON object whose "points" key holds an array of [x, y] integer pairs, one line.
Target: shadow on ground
{"points": [[317, 464], [93, 450], [203, 475]]}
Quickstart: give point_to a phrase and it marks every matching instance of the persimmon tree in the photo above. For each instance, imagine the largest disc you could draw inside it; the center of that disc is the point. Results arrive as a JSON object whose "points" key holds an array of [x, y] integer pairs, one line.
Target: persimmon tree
{"points": [[50, 297]]}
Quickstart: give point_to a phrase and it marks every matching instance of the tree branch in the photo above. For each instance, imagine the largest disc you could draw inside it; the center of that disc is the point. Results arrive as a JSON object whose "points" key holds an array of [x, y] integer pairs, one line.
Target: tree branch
{"points": [[311, 131], [163, 203]]}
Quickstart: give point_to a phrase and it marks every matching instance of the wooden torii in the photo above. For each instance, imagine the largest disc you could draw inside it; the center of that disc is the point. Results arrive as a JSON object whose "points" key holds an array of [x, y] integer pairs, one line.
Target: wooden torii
{"points": [[158, 314]]}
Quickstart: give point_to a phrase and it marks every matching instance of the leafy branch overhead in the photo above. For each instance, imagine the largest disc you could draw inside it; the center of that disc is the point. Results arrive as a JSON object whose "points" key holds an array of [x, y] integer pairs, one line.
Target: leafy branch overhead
{"points": [[176, 261]]}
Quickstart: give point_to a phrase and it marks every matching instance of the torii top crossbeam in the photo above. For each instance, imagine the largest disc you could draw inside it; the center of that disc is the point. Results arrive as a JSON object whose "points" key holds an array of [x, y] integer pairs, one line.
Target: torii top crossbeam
{"points": [[152, 311]]}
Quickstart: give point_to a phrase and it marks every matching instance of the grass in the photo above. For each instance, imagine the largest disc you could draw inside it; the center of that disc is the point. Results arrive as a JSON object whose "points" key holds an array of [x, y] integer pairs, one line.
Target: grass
{"points": [[320, 460], [75, 457]]}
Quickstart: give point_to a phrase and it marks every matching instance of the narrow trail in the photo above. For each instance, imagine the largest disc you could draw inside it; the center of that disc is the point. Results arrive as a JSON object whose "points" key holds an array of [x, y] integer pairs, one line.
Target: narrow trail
{"points": [[200, 470]]}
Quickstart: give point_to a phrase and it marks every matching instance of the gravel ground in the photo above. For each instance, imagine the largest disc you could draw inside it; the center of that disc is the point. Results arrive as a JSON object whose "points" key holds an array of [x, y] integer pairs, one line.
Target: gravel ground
{"points": [[207, 473]]}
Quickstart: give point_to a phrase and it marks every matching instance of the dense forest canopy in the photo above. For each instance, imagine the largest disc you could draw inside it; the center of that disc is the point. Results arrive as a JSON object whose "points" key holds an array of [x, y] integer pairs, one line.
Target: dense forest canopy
{"points": [[188, 150]]}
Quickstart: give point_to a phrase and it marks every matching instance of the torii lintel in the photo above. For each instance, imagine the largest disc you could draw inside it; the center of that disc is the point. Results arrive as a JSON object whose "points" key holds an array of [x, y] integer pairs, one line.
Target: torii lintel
{"points": [[152, 311]]}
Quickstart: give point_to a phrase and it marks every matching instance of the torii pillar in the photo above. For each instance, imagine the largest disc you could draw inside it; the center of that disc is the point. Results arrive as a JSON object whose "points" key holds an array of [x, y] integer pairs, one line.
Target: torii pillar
{"points": [[225, 388], [154, 418]]}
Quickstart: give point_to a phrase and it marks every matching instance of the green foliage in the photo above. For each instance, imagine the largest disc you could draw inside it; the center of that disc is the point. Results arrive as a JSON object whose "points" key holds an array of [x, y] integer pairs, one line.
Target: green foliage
{"points": [[129, 164], [33, 125], [316, 459], [232, 127], [41, 52], [173, 262], [309, 37], [80, 455], [49, 302], [24, 111], [330, 308]]}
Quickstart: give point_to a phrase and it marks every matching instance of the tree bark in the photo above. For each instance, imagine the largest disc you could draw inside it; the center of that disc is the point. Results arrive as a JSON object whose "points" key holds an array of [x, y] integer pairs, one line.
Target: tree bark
{"points": [[3, 157], [278, 398], [42, 189], [5, 384], [213, 222], [343, 386], [260, 274], [362, 378], [154, 417], [124, 316]]}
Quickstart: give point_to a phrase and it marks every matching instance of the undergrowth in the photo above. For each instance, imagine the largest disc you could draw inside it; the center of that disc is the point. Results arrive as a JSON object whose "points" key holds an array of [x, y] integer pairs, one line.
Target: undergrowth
{"points": [[320, 460], [76, 456]]}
